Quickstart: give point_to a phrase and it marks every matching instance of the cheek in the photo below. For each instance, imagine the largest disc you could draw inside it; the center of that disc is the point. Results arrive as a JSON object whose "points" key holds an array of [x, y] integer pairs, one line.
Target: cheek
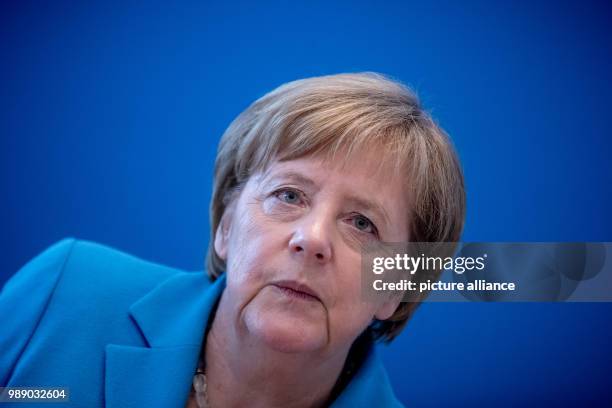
{"points": [[350, 314], [349, 321], [250, 248]]}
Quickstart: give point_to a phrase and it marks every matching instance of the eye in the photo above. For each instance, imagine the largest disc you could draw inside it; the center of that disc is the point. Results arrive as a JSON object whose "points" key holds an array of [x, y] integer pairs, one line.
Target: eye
{"points": [[364, 224], [289, 196]]}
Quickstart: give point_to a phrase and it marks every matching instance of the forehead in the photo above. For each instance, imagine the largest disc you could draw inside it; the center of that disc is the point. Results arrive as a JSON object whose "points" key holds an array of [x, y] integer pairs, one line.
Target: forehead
{"points": [[359, 170]]}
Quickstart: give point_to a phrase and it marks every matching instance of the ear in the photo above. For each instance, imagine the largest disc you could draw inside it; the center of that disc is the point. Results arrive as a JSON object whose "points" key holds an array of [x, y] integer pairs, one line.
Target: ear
{"points": [[389, 307], [222, 232]]}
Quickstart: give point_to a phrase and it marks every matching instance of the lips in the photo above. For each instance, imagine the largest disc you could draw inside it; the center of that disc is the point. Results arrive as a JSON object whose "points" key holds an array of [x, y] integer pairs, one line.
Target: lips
{"points": [[297, 289]]}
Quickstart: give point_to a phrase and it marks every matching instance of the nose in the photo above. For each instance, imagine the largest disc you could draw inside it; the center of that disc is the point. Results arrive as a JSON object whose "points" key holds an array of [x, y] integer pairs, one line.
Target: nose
{"points": [[311, 240]]}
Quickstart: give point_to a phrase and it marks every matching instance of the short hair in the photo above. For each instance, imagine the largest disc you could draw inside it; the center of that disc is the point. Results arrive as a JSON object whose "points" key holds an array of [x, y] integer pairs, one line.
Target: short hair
{"points": [[347, 112]]}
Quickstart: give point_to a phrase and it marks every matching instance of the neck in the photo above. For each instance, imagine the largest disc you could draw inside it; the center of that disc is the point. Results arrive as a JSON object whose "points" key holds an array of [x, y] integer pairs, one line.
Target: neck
{"points": [[243, 371]]}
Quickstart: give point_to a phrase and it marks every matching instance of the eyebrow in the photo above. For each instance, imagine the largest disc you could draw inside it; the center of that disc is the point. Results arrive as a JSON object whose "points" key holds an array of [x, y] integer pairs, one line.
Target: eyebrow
{"points": [[295, 177], [368, 205]]}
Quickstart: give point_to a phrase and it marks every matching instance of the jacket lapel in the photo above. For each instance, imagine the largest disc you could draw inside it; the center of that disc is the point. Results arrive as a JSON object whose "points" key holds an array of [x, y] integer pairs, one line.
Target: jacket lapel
{"points": [[369, 387], [172, 319]]}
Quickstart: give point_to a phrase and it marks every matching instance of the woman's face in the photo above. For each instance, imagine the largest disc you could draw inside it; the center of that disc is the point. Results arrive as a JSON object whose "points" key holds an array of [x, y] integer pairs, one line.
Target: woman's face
{"points": [[292, 242]]}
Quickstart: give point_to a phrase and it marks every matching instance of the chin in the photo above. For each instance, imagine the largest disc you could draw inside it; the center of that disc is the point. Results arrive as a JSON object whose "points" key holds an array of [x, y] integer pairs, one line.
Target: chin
{"points": [[286, 334]]}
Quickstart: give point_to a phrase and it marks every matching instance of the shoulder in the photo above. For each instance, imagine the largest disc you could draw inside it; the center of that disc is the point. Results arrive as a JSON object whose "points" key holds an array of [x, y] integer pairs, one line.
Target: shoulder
{"points": [[74, 296], [94, 266], [74, 270], [97, 280], [99, 269]]}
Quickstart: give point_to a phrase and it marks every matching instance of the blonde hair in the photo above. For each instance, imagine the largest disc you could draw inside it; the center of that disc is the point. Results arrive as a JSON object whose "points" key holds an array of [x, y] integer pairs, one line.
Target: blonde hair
{"points": [[347, 113]]}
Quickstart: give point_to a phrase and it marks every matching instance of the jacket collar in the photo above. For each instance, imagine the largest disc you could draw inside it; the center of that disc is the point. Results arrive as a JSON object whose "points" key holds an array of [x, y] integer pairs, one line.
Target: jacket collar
{"points": [[172, 318], [369, 386], [177, 311]]}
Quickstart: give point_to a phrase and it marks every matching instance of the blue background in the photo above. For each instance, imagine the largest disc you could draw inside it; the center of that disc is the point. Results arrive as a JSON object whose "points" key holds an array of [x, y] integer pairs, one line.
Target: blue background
{"points": [[110, 116]]}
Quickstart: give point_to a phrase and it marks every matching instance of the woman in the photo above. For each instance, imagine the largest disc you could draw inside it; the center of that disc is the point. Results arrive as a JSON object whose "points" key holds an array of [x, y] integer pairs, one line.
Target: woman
{"points": [[304, 179]]}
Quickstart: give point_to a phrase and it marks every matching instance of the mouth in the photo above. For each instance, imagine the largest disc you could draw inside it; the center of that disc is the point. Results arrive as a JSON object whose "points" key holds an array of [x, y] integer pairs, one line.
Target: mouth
{"points": [[297, 290]]}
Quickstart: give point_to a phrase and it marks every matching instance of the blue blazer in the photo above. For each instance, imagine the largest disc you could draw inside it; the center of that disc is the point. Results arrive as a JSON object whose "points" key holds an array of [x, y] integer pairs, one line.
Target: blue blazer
{"points": [[121, 332]]}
